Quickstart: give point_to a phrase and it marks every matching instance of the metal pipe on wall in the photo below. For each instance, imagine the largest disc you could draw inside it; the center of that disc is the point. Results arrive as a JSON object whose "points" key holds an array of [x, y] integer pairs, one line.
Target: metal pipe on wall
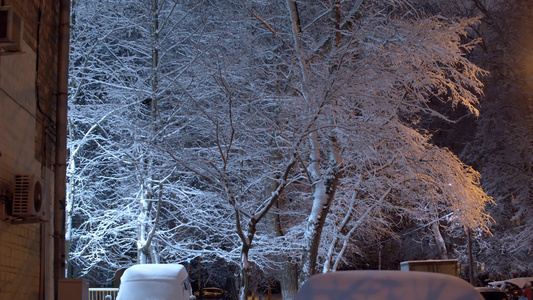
{"points": [[61, 143]]}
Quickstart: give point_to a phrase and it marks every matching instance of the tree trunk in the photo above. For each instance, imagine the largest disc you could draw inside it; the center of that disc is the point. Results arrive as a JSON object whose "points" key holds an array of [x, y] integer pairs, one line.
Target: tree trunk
{"points": [[439, 240], [141, 234], [245, 273], [324, 185], [323, 196], [146, 252], [289, 281]]}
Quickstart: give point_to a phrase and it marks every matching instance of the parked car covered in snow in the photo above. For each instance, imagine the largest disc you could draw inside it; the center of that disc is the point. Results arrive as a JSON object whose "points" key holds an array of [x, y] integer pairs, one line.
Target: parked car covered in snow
{"points": [[386, 285], [520, 282], [513, 287], [155, 281]]}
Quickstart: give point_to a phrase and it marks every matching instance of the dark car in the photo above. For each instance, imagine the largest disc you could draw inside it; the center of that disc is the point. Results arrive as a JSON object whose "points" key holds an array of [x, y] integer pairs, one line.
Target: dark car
{"points": [[211, 293], [491, 293], [512, 287]]}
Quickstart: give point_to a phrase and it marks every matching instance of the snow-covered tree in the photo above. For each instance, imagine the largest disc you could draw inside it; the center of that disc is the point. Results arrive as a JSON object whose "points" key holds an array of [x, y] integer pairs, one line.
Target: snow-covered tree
{"points": [[127, 203], [502, 149], [347, 104], [368, 73], [277, 135]]}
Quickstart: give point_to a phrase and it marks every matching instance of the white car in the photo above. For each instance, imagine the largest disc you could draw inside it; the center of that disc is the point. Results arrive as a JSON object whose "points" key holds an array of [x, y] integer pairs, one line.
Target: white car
{"points": [[155, 282]]}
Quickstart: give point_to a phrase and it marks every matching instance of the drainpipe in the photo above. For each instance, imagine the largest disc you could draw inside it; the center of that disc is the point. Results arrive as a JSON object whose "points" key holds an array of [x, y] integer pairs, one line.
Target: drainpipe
{"points": [[61, 144]]}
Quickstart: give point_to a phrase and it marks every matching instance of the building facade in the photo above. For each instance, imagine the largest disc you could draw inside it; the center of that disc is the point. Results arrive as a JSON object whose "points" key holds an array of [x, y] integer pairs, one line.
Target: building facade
{"points": [[33, 81]]}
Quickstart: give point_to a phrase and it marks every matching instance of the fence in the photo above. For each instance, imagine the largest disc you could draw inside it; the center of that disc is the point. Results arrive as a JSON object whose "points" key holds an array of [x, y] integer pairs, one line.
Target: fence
{"points": [[100, 293]]}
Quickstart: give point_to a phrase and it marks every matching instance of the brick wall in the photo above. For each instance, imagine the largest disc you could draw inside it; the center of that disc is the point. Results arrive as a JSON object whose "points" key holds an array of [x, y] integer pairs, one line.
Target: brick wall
{"points": [[27, 137], [19, 261], [42, 38]]}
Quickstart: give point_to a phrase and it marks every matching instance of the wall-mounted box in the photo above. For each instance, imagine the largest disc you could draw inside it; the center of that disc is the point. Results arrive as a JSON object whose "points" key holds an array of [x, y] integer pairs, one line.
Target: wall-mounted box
{"points": [[11, 29]]}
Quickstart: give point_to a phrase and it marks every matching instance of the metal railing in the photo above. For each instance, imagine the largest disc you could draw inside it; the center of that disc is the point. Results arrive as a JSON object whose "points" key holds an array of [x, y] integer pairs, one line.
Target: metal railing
{"points": [[100, 293]]}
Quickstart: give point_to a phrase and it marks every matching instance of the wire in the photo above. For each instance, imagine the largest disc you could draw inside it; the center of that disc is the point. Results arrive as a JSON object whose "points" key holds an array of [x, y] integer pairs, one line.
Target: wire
{"points": [[37, 60], [24, 108]]}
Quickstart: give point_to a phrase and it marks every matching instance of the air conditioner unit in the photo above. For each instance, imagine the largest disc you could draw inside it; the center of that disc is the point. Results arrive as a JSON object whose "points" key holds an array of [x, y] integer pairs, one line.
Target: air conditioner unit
{"points": [[28, 197], [11, 29]]}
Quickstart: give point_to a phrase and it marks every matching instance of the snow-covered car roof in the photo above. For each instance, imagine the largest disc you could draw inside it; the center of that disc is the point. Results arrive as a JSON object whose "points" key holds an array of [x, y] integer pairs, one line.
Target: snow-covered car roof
{"points": [[520, 282], [381, 285], [155, 272]]}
